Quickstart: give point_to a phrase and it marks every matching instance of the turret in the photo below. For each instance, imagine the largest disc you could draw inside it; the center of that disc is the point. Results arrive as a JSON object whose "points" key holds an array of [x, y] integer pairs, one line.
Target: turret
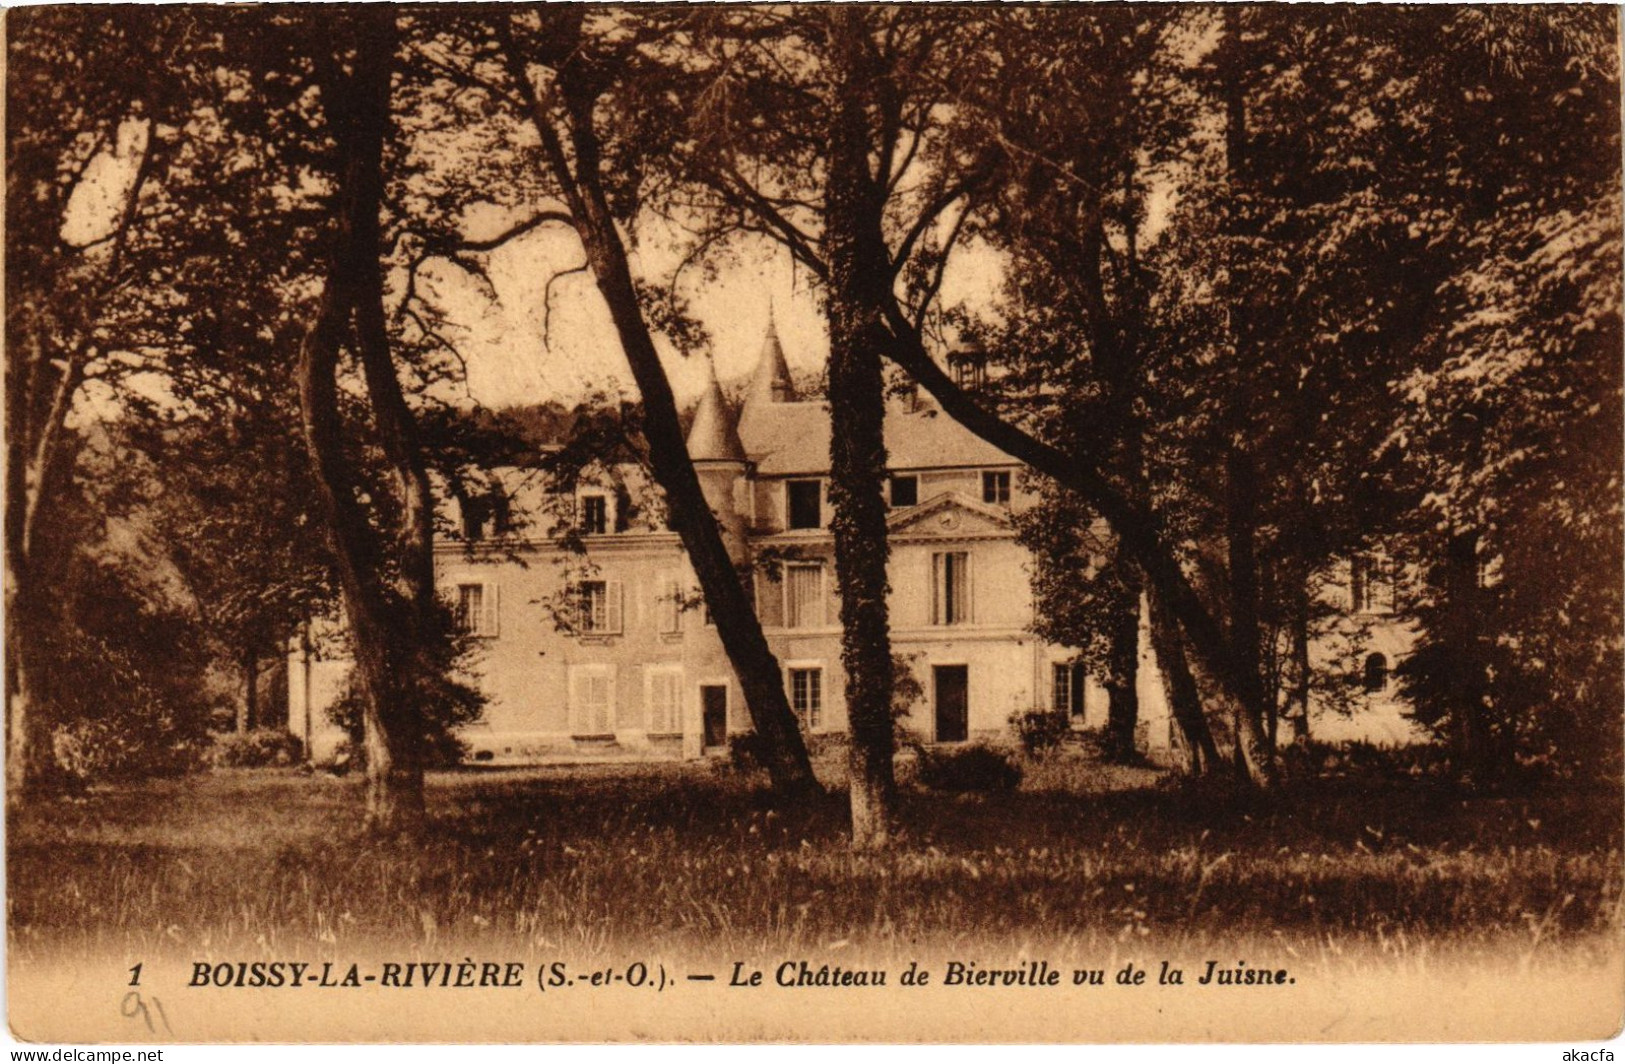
{"points": [[719, 460], [771, 382]]}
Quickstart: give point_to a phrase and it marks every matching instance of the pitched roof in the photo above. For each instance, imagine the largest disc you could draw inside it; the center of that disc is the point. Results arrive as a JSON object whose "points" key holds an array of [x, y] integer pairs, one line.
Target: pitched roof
{"points": [[793, 438]]}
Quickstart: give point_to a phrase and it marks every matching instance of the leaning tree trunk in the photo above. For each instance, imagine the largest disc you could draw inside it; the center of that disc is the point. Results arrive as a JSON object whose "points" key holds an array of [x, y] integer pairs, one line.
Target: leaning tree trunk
{"points": [[582, 185], [855, 252], [384, 626], [1184, 698]]}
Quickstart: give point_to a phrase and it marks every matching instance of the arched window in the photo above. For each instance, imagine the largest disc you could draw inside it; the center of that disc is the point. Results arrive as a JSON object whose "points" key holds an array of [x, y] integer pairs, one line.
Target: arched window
{"points": [[1376, 673]]}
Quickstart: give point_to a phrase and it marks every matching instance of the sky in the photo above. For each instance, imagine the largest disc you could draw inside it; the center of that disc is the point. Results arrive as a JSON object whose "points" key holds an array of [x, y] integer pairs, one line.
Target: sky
{"points": [[516, 352]]}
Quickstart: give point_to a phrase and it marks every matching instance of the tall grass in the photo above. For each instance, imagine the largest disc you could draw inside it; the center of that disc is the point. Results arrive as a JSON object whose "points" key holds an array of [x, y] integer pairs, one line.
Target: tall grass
{"points": [[581, 862]]}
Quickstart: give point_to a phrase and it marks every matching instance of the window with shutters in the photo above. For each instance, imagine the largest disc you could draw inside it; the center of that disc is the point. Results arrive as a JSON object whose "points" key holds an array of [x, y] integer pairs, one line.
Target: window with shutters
{"points": [[475, 609], [663, 699], [598, 605], [592, 700], [950, 588], [807, 696], [803, 595]]}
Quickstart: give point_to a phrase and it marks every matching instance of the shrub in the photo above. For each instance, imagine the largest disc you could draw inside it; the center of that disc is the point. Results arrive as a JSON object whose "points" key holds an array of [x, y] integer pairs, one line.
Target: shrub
{"points": [[447, 697], [1040, 730], [259, 748], [123, 747], [745, 752], [968, 768]]}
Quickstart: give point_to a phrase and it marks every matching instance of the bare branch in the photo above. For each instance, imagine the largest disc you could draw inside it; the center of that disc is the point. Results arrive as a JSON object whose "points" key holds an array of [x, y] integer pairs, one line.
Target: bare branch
{"points": [[547, 299]]}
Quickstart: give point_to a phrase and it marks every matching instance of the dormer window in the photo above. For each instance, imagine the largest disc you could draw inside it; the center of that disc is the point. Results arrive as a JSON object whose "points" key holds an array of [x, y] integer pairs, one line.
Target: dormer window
{"points": [[805, 503], [594, 514], [905, 491]]}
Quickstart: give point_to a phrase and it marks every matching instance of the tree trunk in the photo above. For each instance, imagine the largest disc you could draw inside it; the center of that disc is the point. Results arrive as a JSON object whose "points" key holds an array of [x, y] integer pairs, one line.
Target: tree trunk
{"points": [[384, 628], [1302, 674], [855, 252], [1465, 691], [1201, 754], [732, 611], [1135, 524], [30, 761], [247, 717], [1254, 757], [1123, 669]]}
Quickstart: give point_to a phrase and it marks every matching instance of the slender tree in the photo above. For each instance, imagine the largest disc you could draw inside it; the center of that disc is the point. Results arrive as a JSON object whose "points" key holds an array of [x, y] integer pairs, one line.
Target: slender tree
{"points": [[563, 74]]}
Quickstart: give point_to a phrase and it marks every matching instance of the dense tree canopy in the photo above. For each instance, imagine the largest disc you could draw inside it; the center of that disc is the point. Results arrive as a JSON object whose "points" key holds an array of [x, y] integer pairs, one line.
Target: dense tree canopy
{"points": [[1272, 288]]}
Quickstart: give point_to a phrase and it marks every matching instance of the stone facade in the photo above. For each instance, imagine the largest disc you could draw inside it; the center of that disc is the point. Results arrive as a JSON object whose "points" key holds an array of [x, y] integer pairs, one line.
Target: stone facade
{"points": [[609, 653]]}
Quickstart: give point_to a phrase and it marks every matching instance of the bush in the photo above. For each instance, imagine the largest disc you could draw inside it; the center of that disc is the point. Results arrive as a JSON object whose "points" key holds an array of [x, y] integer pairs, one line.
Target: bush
{"points": [[1040, 730], [259, 748], [745, 752], [124, 747], [968, 768]]}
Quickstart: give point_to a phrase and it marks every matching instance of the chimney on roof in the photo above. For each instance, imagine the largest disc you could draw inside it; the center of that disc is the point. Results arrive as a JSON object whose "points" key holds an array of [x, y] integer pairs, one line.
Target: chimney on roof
{"points": [[771, 382]]}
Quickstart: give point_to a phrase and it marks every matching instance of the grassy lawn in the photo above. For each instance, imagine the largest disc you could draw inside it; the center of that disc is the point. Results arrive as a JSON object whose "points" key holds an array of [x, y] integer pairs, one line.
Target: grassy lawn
{"points": [[540, 862]]}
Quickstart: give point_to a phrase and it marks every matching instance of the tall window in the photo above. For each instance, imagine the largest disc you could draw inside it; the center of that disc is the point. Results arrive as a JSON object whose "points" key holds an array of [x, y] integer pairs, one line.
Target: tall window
{"points": [[806, 503], [1371, 584], [663, 693], [476, 609], [996, 488], [668, 604], [905, 491], [803, 595], [594, 514], [1067, 689], [950, 588], [807, 696], [598, 606], [592, 700], [1376, 673]]}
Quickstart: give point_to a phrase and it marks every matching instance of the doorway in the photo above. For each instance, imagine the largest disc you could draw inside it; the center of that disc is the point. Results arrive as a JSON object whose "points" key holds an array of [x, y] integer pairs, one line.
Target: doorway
{"points": [[952, 683], [714, 707]]}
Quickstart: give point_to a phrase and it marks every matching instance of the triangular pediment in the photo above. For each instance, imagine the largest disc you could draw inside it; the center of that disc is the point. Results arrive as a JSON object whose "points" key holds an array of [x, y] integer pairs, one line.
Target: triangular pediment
{"points": [[949, 514]]}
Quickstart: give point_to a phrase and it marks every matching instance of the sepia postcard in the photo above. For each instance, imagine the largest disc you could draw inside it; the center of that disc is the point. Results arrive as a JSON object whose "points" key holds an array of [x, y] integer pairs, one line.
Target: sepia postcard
{"points": [[826, 524]]}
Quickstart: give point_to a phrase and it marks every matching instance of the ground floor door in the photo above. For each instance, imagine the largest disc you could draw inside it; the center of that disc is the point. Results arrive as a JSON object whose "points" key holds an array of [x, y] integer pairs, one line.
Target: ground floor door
{"points": [[714, 706], [953, 702]]}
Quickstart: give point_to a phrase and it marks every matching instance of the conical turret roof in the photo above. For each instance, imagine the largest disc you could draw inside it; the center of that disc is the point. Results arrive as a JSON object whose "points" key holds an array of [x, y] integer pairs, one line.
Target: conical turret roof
{"points": [[713, 436], [771, 382]]}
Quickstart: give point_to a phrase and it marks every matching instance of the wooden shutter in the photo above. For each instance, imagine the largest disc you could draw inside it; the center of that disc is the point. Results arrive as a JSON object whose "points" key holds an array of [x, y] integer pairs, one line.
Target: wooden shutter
{"points": [[935, 581], [967, 579], [612, 605], [490, 613]]}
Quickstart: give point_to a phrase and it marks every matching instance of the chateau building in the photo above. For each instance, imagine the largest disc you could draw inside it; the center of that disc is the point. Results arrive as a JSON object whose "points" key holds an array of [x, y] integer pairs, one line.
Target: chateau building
{"points": [[608, 651]]}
